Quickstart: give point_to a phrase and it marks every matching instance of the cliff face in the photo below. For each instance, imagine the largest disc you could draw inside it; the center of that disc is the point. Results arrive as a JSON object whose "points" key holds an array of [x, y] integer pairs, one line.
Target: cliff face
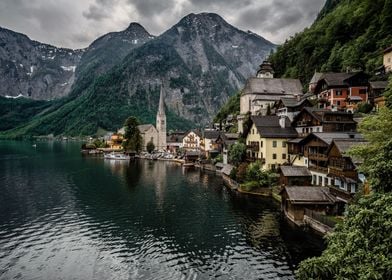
{"points": [[33, 69]]}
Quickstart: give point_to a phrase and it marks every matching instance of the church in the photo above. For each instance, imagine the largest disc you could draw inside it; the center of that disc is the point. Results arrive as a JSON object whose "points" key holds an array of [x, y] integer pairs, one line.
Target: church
{"points": [[157, 134]]}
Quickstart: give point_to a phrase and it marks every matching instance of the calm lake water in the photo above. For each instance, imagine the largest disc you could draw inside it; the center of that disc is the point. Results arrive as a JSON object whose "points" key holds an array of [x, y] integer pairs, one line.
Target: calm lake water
{"points": [[65, 216]]}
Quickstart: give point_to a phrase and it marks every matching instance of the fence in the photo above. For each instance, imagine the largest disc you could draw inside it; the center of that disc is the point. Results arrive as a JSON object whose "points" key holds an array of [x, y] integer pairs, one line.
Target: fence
{"points": [[320, 218]]}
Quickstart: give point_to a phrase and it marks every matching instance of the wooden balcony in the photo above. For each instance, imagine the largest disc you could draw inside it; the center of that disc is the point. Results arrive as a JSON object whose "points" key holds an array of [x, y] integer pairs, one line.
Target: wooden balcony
{"points": [[339, 171], [318, 169], [318, 157]]}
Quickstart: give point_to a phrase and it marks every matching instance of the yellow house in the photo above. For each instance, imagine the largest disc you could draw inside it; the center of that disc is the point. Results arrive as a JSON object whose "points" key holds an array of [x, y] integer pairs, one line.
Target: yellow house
{"points": [[267, 140], [388, 59], [115, 141]]}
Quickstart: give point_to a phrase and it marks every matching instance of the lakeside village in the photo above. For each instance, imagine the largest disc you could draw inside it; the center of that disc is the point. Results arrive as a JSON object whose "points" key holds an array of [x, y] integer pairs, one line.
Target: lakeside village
{"points": [[283, 143]]}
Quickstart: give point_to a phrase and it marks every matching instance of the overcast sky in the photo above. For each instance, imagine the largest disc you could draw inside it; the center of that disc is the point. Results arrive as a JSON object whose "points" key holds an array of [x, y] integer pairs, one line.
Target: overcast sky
{"points": [[76, 23]]}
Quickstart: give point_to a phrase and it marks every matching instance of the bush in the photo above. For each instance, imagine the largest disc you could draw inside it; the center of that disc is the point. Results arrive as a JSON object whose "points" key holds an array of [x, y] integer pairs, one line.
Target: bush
{"points": [[365, 108], [249, 186]]}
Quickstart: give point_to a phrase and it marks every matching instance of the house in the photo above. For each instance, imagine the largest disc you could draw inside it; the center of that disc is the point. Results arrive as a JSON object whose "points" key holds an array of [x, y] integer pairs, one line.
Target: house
{"points": [[315, 154], [388, 59], [342, 91], [267, 140], [298, 201], [115, 141], [208, 145], [191, 141], [292, 106], [342, 168], [224, 141], [312, 119], [376, 89], [149, 133], [294, 176], [261, 92], [174, 141]]}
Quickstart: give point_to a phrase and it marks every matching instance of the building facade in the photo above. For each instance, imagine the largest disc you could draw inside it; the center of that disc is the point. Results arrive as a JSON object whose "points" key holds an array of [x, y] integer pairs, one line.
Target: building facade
{"points": [[388, 59]]}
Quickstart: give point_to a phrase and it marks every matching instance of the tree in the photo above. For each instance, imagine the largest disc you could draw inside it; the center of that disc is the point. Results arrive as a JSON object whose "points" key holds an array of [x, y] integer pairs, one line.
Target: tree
{"points": [[360, 247], [132, 135], [237, 153], [150, 147]]}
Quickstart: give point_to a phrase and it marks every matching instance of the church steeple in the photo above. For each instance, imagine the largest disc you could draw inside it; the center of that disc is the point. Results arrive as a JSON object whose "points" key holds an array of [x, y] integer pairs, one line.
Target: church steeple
{"points": [[161, 123]]}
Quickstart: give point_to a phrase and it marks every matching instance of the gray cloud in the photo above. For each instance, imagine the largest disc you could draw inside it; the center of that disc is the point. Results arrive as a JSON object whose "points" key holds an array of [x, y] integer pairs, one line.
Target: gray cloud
{"points": [[75, 24]]}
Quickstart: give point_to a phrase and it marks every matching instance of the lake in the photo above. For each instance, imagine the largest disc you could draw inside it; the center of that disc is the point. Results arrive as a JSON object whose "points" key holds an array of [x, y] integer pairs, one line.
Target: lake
{"points": [[68, 216]]}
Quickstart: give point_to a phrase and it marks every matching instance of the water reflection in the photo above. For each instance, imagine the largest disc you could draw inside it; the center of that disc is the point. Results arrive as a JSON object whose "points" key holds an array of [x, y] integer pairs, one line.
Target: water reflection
{"points": [[87, 218]]}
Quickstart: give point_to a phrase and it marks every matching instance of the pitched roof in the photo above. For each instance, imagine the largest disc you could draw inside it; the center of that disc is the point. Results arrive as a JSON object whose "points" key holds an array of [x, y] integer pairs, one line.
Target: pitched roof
{"points": [[269, 127], [144, 127], [293, 101], [268, 86], [211, 134], [175, 137], [328, 137], [343, 145], [320, 114], [309, 195], [316, 77], [379, 84], [295, 171], [337, 79]]}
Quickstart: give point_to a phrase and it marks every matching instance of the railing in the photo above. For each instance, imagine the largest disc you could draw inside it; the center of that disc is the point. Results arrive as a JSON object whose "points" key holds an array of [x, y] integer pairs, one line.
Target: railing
{"points": [[342, 172], [320, 218], [318, 168], [316, 156], [253, 147]]}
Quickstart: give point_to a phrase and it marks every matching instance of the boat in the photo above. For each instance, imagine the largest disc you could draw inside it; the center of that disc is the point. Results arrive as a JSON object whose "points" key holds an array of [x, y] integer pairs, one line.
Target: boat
{"points": [[34, 145], [117, 156]]}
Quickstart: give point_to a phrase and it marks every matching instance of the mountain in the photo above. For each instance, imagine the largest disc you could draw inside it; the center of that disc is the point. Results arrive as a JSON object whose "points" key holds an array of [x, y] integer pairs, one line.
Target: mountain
{"points": [[108, 51], [347, 35], [201, 61], [33, 69]]}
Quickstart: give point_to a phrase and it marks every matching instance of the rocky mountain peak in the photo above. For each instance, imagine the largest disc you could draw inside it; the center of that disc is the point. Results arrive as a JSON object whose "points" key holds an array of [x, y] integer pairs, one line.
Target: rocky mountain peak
{"points": [[137, 31]]}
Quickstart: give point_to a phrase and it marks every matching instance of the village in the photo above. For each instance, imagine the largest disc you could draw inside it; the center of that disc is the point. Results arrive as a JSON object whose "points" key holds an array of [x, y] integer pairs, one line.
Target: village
{"points": [[284, 143]]}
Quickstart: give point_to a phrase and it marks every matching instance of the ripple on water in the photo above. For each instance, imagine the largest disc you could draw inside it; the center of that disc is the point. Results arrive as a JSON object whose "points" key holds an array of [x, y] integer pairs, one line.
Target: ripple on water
{"points": [[111, 222]]}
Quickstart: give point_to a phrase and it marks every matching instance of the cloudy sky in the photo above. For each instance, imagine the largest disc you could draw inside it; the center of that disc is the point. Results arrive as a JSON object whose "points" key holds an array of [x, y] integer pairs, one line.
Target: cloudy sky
{"points": [[76, 23]]}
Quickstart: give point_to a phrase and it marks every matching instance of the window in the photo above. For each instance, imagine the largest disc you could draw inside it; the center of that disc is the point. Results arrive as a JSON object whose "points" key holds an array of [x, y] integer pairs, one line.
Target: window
{"points": [[314, 179], [274, 144], [261, 144], [273, 167], [325, 181], [338, 93], [362, 91], [253, 131], [284, 143], [273, 156], [338, 103], [283, 156], [320, 180]]}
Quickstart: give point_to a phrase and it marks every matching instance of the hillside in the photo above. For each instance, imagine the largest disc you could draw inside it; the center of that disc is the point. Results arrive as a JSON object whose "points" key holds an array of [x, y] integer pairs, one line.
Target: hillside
{"points": [[348, 34], [201, 61]]}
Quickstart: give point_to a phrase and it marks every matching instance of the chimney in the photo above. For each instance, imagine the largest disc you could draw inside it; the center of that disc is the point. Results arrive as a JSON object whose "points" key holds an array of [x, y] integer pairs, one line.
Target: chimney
{"points": [[282, 121]]}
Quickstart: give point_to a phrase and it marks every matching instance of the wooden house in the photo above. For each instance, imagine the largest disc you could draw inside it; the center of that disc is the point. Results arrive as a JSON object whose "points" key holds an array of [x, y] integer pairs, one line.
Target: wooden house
{"points": [[311, 119], [296, 200], [191, 141], [294, 176], [292, 106]]}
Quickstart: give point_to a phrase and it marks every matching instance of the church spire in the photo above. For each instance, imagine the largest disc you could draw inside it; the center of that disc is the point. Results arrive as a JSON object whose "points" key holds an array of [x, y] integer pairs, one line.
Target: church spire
{"points": [[161, 108], [161, 123]]}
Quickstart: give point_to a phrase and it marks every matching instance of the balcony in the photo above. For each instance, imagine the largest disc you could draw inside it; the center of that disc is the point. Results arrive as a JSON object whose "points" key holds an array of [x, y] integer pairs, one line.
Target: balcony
{"points": [[318, 169], [317, 156], [253, 147], [339, 171]]}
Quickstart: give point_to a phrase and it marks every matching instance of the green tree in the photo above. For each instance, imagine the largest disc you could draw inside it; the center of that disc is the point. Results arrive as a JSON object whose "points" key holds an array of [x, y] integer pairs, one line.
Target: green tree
{"points": [[150, 147], [257, 174], [132, 135], [237, 153]]}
